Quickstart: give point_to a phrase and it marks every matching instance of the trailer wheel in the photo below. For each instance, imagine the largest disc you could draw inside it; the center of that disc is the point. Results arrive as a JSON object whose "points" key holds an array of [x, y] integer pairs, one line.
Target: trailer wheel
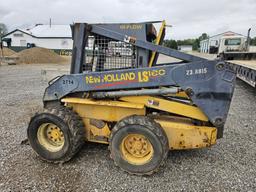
{"points": [[56, 134], [138, 145]]}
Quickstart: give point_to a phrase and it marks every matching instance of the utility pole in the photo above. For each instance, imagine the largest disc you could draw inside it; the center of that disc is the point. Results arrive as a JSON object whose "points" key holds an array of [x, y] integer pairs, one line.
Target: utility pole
{"points": [[1, 47], [248, 40]]}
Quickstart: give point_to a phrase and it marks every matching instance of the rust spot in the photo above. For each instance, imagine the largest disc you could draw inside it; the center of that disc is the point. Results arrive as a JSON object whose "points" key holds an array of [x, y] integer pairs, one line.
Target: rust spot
{"points": [[181, 135], [206, 139]]}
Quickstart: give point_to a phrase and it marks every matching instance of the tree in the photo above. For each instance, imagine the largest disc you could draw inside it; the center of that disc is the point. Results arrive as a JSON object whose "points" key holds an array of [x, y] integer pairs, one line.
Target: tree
{"points": [[171, 44], [203, 36], [196, 44], [186, 42], [253, 41], [3, 29]]}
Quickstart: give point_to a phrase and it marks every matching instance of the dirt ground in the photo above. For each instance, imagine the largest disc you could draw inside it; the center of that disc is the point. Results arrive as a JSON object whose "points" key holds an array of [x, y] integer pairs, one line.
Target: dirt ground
{"points": [[228, 166]]}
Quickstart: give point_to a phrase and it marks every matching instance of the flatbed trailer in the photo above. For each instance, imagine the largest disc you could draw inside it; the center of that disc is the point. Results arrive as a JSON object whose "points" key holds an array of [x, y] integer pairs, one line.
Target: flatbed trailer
{"points": [[246, 70]]}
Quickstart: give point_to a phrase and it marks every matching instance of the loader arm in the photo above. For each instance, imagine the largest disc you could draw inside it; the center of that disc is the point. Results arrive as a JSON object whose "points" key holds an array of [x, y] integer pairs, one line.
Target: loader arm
{"points": [[144, 44], [209, 84]]}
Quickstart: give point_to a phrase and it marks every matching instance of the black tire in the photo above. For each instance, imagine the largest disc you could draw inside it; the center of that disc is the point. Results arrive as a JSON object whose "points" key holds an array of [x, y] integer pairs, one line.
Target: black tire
{"points": [[152, 131], [71, 126]]}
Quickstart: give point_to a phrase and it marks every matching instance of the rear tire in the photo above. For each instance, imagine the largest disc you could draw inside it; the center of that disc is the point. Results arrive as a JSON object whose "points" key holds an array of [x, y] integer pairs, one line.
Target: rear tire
{"points": [[138, 145], [56, 134]]}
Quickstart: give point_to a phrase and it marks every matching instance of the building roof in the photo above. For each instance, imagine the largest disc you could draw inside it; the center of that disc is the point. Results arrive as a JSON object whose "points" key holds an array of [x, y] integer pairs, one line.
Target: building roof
{"points": [[50, 31], [227, 32], [46, 31]]}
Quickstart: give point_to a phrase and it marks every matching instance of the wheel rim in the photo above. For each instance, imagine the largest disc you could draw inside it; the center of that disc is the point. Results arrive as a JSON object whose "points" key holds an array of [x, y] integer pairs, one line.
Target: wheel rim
{"points": [[136, 149], [51, 137]]}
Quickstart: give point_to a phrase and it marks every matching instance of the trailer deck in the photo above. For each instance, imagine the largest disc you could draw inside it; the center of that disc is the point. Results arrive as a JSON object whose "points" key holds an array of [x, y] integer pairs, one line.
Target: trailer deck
{"points": [[246, 70]]}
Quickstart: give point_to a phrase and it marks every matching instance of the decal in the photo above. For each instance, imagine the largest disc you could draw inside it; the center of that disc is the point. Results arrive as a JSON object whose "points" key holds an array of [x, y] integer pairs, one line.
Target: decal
{"points": [[145, 75], [131, 26], [153, 102], [112, 79], [196, 71], [67, 82]]}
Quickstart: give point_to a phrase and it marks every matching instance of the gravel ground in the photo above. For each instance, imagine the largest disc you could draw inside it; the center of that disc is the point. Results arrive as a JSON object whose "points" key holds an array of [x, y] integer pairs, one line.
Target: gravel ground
{"points": [[228, 166]]}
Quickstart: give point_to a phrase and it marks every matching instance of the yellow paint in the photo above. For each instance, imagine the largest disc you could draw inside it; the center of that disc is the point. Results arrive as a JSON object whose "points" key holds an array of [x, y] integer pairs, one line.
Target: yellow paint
{"points": [[181, 132], [158, 39], [141, 76], [181, 94], [168, 106], [182, 135], [110, 78], [50, 137], [104, 110], [102, 102], [136, 149], [93, 132]]}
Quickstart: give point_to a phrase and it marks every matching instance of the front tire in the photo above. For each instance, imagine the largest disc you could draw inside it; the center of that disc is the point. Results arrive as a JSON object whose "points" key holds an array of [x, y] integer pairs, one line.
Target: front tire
{"points": [[138, 145], [56, 134]]}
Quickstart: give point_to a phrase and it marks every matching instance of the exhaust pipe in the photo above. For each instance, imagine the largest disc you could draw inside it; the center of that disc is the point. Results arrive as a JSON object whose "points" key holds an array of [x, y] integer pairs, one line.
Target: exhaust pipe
{"points": [[248, 40]]}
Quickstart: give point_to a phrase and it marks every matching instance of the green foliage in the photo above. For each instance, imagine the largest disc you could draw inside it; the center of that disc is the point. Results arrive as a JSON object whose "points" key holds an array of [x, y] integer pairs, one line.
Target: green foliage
{"points": [[185, 42], [3, 29], [253, 41], [203, 36], [194, 42], [171, 44]]}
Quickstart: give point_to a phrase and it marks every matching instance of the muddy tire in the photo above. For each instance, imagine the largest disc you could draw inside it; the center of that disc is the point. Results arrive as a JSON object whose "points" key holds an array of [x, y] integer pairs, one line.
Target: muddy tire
{"points": [[56, 134], [138, 145]]}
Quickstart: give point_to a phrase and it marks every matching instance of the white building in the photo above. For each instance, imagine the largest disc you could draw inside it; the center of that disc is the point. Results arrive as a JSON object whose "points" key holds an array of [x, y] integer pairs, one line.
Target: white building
{"points": [[185, 47], [55, 37], [212, 43]]}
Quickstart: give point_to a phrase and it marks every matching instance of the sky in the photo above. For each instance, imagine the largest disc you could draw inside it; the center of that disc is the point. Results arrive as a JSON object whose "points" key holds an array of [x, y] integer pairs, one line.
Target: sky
{"points": [[189, 18]]}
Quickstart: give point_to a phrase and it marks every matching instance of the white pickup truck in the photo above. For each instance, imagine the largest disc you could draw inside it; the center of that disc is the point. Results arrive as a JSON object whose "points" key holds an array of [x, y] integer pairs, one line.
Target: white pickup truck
{"points": [[120, 49]]}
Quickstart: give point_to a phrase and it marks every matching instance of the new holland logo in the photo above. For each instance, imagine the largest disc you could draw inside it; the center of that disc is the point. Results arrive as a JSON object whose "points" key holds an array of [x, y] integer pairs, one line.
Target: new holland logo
{"points": [[141, 76]]}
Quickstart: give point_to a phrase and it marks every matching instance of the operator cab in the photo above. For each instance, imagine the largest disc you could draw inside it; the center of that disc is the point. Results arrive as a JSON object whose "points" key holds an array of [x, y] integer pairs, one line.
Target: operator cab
{"points": [[103, 53]]}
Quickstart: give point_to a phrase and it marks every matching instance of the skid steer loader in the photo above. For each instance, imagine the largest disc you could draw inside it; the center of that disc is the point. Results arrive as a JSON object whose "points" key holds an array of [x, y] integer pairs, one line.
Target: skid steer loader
{"points": [[139, 107]]}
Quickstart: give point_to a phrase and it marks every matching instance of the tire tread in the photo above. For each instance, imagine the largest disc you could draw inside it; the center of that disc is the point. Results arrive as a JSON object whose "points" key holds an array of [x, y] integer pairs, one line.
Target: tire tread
{"points": [[148, 123], [76, 128]]}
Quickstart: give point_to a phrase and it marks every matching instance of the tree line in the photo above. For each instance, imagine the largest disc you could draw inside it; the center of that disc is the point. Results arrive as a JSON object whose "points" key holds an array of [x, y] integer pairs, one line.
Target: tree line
{"points": [[3, 29], [194, 42], [253, 41], [168, 42]]}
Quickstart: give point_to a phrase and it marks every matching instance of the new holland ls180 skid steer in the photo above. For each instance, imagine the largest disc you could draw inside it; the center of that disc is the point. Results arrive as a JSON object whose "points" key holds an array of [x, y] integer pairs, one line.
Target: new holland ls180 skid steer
{"points": [[118, 94]]}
